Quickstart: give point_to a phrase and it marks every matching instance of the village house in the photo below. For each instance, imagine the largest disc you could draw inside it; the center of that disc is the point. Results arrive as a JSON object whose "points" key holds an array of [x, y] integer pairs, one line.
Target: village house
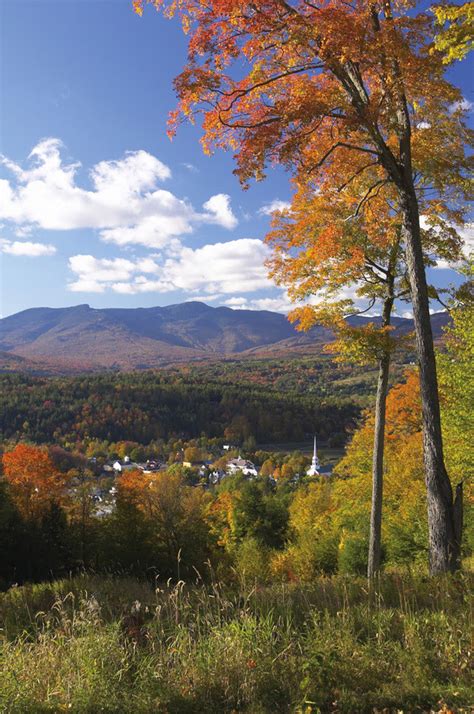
{"points": [[149, 467], [247, 467], [125, 465]]}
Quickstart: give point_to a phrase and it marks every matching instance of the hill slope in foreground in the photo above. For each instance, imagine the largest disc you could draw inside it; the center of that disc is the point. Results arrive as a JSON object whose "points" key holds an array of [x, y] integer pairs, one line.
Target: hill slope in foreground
{"points": [[82, 337]]}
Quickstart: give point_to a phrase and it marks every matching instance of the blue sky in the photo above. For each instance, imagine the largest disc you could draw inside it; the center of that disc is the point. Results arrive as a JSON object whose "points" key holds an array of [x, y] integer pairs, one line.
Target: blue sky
{"points": [[113, 213]]}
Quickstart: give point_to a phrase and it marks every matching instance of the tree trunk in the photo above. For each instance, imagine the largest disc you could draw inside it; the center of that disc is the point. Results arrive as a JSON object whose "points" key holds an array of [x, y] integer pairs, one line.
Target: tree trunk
{"points": [[375, 537], [444, 541]]}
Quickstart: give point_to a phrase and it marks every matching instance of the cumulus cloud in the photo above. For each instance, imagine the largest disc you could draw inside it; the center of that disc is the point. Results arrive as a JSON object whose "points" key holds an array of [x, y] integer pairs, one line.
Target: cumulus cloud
{"points": [[280, 303], [276, 205], [219, 211], [120, 275], [467, 235], [214, 269], [26, 248], [235, 266], [126, 204], [95, 274], [237, 302]]}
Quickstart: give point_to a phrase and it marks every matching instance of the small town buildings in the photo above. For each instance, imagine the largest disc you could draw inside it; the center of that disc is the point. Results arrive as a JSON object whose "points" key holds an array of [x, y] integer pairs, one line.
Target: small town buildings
{"points": [[216, 476], [125, 465], [151, 466], [245, 466]]}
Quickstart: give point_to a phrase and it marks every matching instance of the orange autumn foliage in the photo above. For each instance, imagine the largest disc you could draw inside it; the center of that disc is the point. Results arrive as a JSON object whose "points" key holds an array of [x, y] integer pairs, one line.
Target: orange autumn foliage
{"points": [[33, 480], [352, 100], [403, 434], [314, 87]]}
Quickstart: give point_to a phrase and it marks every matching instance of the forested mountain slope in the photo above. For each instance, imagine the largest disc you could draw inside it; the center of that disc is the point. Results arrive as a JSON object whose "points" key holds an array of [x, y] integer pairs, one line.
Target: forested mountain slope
{"points": [[82, 337]]}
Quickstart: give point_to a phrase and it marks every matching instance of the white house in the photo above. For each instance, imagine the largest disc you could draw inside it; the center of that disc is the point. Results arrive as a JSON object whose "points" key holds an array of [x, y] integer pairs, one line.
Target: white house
{"points": [[125, 465], [246, 467]]}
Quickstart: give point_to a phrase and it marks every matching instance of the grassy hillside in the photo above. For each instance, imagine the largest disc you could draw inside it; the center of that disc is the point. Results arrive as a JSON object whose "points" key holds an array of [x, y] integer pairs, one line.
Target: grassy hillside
{"points": [[120, 645]]}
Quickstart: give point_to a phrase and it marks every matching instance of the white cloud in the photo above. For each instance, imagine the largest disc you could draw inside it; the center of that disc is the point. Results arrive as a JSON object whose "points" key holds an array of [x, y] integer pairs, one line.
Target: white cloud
{"points": [[212, 270], [274, 304], [203, 298], [235, 266], [276, 205], [161, 230], [23, 231], [190, 167], [239, 302], [278, 304], [219, 211], [26, 248], [125, 205], [120, 275], [467, 236], [464, 105], [137, 172], [95, 274]]}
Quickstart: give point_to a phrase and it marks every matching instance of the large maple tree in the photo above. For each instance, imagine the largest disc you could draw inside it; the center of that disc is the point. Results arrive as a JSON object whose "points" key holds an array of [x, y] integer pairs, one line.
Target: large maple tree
{"points": [[330, 89], [319, 252]]}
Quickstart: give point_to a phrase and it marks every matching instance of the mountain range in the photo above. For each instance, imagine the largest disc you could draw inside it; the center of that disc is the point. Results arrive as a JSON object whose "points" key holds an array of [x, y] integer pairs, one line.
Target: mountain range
{"points": [[83, 338]]}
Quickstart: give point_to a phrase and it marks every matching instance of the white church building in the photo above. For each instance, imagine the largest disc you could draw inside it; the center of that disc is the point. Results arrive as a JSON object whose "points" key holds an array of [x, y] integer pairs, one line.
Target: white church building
{"points": [[315, 468]]}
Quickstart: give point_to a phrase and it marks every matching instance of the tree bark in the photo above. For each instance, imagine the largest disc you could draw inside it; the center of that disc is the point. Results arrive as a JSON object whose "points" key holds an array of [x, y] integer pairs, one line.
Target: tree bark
{"points": [[444, 542], [375, 536], [444, 523]]}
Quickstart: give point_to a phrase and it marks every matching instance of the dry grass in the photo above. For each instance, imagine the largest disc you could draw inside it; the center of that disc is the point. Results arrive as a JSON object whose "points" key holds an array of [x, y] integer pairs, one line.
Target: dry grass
{"points": [[95, 644]]}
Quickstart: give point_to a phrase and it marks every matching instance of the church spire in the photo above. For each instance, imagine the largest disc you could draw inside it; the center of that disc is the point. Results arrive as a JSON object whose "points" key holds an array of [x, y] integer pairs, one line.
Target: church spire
{"points": [[315, 465]]}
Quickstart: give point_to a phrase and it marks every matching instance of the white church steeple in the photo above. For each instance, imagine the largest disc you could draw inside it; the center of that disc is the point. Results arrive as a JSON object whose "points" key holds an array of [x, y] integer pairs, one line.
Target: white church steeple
{"points": [[315, 465]]}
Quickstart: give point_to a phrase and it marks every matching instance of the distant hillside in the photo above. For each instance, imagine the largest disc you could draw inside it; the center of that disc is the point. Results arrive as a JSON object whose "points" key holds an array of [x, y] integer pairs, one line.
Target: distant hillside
{"points": [[83, 338]]}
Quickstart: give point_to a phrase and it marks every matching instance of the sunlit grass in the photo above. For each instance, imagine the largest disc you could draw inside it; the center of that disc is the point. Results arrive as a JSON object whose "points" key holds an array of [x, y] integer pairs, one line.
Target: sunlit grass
{"points": [[95, 644]]}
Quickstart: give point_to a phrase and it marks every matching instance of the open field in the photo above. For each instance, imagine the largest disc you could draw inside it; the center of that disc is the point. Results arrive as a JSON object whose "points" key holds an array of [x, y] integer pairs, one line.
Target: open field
{"points": [[121, 645]]}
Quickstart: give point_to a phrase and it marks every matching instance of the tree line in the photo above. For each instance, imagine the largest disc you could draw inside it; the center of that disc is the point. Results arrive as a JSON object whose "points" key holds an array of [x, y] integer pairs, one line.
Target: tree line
{"points": [[146, 406]]}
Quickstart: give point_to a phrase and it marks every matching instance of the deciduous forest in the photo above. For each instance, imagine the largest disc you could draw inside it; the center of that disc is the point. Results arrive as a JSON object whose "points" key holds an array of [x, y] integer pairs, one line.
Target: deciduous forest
{"points": [[277, 532]]}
